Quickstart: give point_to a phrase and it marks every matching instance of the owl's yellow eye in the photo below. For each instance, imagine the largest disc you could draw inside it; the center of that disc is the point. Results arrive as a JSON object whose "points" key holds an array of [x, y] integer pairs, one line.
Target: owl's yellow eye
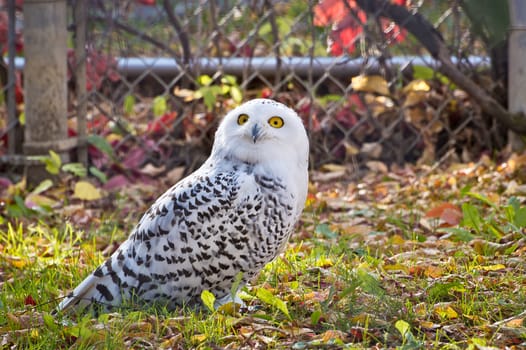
{"points": [[276, 122], [242, 119]]}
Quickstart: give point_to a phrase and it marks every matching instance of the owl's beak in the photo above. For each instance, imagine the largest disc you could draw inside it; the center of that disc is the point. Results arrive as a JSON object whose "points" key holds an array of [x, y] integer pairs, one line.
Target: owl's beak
{"points": [[256, 132]]}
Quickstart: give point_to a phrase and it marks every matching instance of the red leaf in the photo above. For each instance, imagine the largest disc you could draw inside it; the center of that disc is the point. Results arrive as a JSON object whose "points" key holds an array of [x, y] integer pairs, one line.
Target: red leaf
{"points": [[449, 213], [163, 123], [347, 26], [5, 182], [331, 11], [266, 92], [30, 301], [116, 182], [346, 33], [134, 158], [451, 216]]}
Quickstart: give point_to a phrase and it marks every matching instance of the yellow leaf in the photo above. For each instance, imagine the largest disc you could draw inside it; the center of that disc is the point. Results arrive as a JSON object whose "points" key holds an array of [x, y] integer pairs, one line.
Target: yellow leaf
{"points": [[324, 262], [395, 267], [434, 271], [17, 262], [230, 308], [420, 309], [17, 188], [370, 83], [362, 318], [445, 311], [40, 200], [113, 137], [416, 85], [397, 239], [496, 267], [199, 338], [331, 335], [86, 191]]}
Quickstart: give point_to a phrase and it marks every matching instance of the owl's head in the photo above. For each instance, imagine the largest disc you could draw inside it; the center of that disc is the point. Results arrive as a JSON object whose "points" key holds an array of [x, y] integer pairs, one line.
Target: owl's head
{"points": [[262, 131]]}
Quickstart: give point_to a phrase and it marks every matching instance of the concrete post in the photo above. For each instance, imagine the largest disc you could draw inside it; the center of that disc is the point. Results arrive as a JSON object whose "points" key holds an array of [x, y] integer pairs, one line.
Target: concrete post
{"points": [[45, 82], [517, 66]]}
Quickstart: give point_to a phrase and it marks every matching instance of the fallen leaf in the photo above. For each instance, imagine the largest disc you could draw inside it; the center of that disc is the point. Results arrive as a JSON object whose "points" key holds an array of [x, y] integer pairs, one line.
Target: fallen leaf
{"points": [[29, 301], [37, 200], [370, 83], [86, 191], [416, 85], [515, 323], [377, 166], [429, 325], [434, 271], [447, 212], [116, 182], [152, 170], [496, 267], [332, 335], [413, 98], [444, 310]]}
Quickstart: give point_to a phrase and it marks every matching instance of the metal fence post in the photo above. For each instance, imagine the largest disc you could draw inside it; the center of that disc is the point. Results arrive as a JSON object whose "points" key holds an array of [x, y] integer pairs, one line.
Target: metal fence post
{"points": [[11, 102], [45, 82], [80, 78]]}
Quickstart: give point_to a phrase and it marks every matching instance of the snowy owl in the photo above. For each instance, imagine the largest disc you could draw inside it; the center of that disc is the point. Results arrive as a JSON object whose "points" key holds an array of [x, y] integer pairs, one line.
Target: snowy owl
{"points": [[233, 215]]}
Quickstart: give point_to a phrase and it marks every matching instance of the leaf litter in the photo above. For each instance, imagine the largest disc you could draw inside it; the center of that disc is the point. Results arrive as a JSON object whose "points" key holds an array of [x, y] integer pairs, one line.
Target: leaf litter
{"points": [[409, 257]]}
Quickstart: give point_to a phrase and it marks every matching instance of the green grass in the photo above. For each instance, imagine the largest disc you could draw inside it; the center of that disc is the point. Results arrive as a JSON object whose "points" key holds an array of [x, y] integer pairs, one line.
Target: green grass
{"points": [[371, 271]]}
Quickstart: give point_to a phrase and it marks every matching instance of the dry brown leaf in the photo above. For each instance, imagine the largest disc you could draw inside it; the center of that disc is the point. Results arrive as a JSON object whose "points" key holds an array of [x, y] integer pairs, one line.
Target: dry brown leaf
{"points": [[151, 170], [515, 323], [332, 335], [413, 98], [377, 166], [371, 149], [429, 325]]}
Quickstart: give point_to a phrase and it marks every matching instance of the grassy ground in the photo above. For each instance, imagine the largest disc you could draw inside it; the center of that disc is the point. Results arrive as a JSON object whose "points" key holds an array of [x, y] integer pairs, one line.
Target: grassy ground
{"points": [[408, 259]]}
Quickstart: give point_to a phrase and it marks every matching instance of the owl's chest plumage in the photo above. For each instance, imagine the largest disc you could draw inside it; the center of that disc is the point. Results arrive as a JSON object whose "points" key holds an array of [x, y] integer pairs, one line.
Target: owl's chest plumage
{"points": [[205, 230]]}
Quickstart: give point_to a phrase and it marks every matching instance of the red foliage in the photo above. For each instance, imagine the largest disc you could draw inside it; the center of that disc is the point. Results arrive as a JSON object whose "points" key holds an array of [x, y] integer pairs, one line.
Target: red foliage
{"points": [[147, 2], [266, 92], [98, 68], [347, 20], [449, 213], [163, 123], [29, 301], [19, 40]]}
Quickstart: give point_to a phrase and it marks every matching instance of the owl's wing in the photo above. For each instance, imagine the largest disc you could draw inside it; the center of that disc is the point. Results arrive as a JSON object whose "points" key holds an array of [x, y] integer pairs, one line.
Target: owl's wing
{"points": [[185, 227]]}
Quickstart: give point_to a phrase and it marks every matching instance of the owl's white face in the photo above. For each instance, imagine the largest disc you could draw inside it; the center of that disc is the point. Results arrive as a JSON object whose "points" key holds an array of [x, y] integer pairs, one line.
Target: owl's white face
{"points": [[263, 131]]}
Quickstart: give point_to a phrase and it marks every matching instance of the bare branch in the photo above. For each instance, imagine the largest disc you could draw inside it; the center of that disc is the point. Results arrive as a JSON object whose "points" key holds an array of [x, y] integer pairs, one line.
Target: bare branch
{"points": [[137, 33], [431, 39], [181, 33]]}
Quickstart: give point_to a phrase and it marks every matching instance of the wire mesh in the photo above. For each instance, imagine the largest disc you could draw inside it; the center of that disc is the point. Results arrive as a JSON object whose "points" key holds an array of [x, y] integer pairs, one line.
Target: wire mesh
{"points": [[161, 74]]}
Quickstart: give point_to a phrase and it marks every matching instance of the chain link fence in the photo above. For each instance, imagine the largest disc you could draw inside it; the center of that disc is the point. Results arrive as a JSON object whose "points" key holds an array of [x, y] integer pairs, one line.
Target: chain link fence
{"points": [[161, 74]]}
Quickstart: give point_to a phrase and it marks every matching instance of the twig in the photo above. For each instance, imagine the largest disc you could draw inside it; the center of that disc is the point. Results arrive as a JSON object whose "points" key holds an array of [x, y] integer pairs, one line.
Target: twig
{"points": [[181, 33], [139, 34], [275, 35], [431, 39]]}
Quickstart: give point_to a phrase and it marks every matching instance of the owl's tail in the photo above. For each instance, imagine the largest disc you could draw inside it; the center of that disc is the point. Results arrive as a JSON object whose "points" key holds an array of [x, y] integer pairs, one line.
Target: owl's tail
{"points": [[98, 289]]}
